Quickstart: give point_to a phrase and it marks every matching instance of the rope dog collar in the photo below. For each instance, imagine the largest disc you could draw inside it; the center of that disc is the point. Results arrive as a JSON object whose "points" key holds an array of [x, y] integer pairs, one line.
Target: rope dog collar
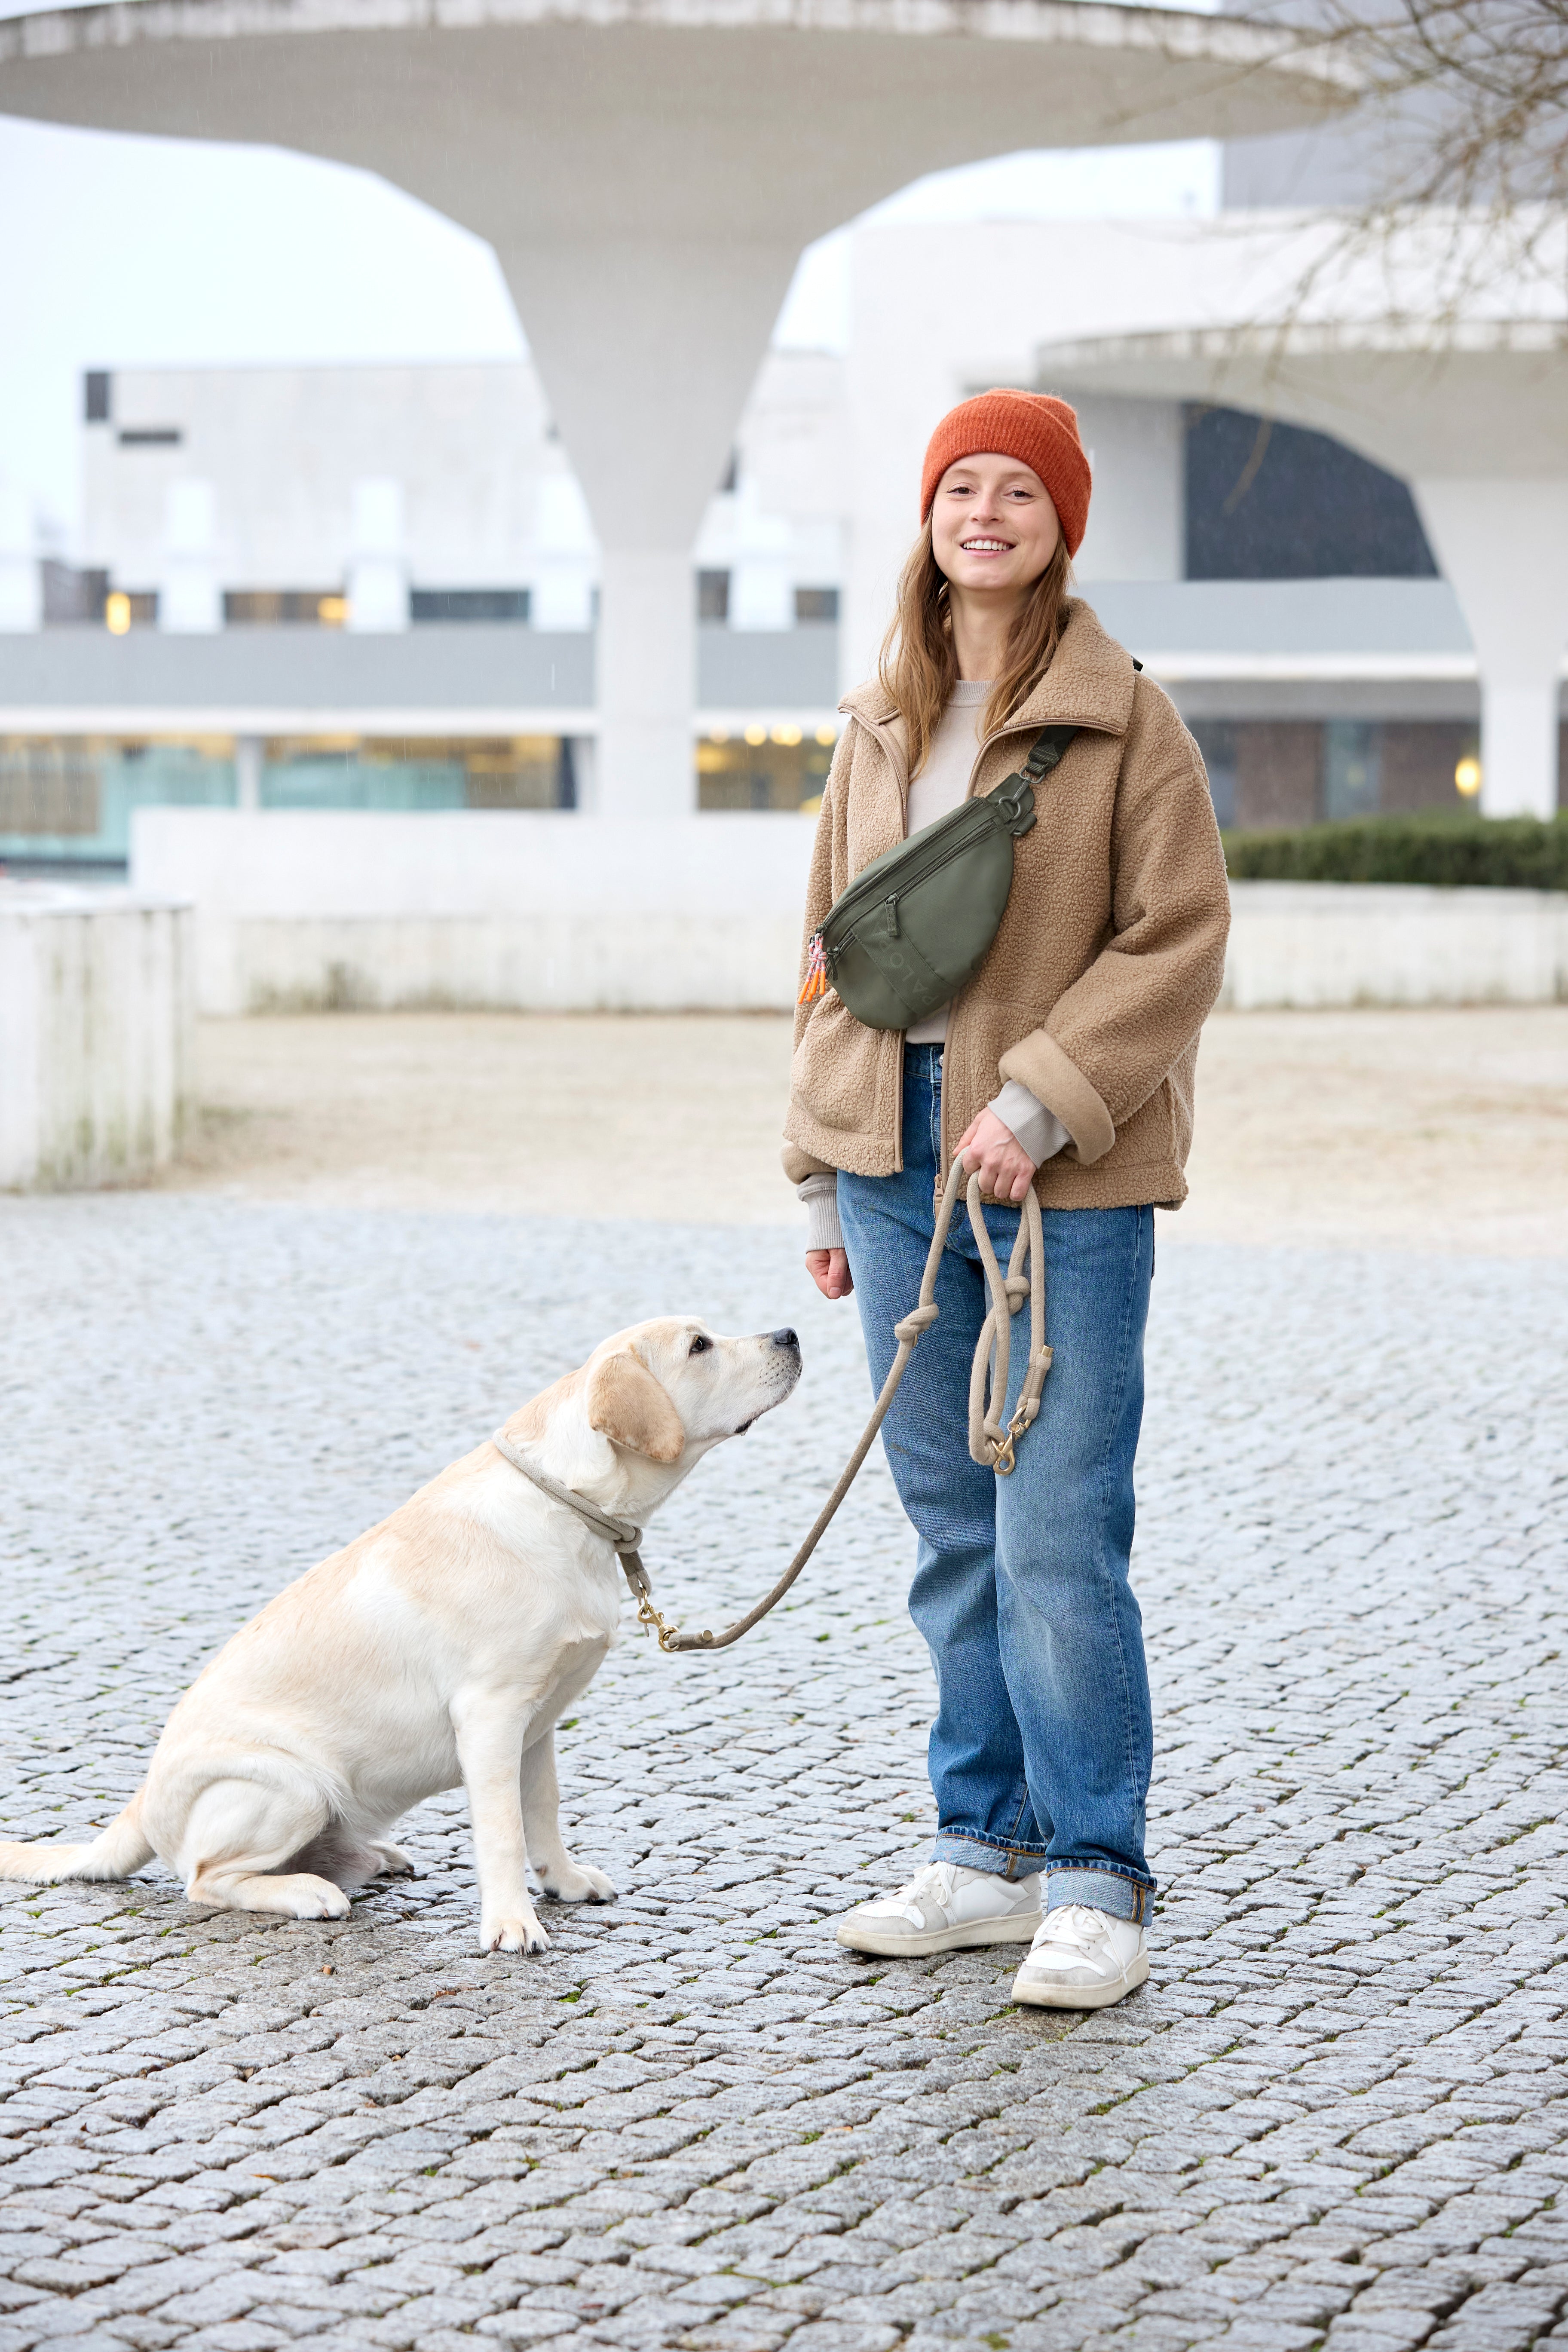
{"points": [[990, 1443]]}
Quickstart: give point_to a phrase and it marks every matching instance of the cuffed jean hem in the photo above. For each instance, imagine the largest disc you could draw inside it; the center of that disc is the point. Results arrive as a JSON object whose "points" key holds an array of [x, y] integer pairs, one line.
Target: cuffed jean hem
{"points": [[1102, 1890], [971, 1852]]}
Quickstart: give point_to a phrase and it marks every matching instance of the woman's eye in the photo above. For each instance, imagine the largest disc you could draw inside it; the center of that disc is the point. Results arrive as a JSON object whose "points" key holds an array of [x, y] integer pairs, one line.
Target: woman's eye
{"points": [[699, 1344]]}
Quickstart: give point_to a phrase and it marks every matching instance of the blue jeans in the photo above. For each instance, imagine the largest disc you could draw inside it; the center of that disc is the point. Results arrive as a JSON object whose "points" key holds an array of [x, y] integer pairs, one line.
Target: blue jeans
{"points": [[1041, 1748]]}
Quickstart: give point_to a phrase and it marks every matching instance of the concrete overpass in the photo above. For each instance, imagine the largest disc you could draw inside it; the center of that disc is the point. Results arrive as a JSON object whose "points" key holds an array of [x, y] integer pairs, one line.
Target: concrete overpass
{"points": [[649, 172]]}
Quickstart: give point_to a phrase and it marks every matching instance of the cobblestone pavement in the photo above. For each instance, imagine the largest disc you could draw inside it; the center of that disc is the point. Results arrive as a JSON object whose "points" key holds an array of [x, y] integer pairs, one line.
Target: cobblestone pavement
{"points": [[1335, 2115]]}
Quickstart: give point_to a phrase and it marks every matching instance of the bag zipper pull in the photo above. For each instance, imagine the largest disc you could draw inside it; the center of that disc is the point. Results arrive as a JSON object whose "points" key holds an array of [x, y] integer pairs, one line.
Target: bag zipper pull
{"points": [[892, 914], [816, 972]]}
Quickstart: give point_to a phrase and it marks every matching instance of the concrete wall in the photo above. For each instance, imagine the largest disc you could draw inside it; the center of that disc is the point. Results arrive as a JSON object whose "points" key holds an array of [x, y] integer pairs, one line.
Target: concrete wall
{"points": [[534, 909], [1324, 943], [305, 908], [96, 1003]]}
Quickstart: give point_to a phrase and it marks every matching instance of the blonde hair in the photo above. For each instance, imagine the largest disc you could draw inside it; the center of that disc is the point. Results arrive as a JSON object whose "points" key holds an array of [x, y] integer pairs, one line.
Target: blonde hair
{"points": [[918, 667]]}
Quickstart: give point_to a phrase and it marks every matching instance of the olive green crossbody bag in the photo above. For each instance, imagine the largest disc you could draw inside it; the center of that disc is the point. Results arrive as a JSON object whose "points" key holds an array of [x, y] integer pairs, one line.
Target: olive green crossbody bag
{"points": [[915, 924]]}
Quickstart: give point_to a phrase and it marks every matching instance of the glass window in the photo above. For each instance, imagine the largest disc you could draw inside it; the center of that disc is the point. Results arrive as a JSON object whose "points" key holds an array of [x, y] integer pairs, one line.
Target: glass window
{"points": [[267, 608], [712, 595], [1216, 738], [469, 604], [1353, 762], [782, 767]]}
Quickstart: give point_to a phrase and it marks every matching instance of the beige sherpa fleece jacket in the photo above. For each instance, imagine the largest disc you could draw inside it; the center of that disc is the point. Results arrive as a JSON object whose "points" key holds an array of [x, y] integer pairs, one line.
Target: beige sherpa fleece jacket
{"points": [[1108, 958]]}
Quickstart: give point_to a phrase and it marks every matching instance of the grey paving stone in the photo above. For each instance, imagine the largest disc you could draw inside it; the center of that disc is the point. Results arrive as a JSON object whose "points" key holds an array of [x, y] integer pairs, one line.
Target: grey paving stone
{"points": [[1337, 2115]]}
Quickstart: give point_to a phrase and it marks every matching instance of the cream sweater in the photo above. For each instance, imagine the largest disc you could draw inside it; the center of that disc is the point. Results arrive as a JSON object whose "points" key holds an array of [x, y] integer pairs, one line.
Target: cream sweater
{"points": [[942, 783]]}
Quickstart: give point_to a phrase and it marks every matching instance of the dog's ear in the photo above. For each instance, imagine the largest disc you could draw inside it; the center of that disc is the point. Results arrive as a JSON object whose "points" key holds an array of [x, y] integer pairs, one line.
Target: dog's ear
{"points": [[628, 1405]]}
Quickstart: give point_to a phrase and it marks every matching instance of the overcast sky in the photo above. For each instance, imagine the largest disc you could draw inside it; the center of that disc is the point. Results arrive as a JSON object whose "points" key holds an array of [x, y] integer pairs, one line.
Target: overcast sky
{"points": [[118, 251]]}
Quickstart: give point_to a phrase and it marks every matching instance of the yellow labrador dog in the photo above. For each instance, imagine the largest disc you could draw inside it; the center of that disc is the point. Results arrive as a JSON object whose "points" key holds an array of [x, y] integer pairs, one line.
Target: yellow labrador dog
{"points": [[440, 1647]]}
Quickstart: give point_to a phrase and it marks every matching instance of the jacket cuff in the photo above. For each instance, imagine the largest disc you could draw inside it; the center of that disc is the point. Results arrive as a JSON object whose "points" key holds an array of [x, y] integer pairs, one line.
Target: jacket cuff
{"points": [[798, 1164], [1036, 1130], [1038, 1063], [819, 1194]]}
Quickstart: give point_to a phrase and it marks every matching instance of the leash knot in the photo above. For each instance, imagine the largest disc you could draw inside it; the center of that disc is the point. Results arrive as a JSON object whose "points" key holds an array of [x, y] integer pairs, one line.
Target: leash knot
{"points": [[917, 1319], [1017, 1287]]}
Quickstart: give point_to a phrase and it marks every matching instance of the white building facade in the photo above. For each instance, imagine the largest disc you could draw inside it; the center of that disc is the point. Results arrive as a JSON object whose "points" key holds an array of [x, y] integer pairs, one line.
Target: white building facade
{"points": [[376, 587]]}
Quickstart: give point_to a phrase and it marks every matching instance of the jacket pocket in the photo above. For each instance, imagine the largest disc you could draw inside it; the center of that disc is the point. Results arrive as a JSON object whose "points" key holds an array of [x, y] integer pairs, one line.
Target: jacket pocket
{"points": [[834, 1074]]}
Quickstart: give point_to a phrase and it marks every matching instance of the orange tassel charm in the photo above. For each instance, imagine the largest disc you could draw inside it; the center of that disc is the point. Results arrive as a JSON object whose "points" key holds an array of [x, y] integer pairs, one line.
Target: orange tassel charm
{"points": [[815, 973]]}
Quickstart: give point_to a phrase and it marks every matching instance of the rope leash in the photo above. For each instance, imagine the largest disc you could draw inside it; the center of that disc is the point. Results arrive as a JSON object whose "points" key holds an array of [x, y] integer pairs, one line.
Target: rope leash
{"points": [[992, 1444]]}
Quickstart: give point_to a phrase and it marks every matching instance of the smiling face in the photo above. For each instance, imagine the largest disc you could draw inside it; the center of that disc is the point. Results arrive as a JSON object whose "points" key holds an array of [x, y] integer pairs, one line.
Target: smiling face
{"points": [[993, 525]]}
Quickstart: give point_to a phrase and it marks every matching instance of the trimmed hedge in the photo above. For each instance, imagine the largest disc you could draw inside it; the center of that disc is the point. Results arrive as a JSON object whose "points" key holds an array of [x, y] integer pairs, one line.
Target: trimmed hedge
{"points": [[1515, 853]]}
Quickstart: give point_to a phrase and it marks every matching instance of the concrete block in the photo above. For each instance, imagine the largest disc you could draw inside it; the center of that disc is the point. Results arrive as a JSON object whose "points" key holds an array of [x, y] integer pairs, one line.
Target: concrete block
{"points": [[532, 910], [1306, 944], [97, 1005], [562, 910]]}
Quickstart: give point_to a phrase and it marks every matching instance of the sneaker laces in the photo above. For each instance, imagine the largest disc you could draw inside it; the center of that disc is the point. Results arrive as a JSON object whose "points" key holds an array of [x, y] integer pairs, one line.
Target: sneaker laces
{"points": [[936, 1880], [1075, 1924], [934, 1883]]}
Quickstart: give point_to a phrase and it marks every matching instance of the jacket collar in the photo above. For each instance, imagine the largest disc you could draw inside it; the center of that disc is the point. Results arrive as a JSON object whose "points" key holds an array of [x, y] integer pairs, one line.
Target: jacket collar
{"points": [[1088, 683]]}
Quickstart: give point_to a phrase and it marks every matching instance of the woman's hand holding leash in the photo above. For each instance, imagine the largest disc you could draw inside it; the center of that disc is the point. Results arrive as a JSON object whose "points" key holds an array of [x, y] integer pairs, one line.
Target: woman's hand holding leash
{"points": [[1006, 1170]]}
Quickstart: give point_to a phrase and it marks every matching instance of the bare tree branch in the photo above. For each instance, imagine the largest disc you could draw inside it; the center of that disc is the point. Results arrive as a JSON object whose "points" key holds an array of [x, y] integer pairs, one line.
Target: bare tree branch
{"points": [[1464, 135]]}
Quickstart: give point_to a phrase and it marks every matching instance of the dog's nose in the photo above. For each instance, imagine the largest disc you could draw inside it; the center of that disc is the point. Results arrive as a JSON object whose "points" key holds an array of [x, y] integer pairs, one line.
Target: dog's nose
{"points": [[786, 1339]]}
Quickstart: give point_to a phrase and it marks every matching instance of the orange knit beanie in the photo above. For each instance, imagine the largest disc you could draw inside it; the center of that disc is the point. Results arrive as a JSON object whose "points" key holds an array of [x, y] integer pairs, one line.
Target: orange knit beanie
{"points": [[1039, 431]]}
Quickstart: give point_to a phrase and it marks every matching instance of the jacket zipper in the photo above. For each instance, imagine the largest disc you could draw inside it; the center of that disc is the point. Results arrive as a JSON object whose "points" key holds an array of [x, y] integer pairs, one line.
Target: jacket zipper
{"points": [[944, 1166], [893, 751]]}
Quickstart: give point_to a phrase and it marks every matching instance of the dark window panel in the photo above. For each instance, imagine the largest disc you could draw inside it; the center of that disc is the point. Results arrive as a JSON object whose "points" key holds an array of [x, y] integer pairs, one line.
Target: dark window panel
{"points": [[712, 595], [1216, 738], [96, 393], [1272, 501], [469, 604], [71, 595], [1352, 768], [816, 604], [1278, 768], [151, 437]]}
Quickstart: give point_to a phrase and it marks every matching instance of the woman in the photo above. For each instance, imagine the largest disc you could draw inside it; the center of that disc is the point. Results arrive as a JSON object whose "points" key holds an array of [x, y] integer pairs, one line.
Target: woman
{"points": [[1066, 1063]]}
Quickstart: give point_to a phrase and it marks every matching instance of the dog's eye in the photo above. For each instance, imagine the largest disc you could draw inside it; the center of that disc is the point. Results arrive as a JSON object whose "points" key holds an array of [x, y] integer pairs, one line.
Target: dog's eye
{"points": [[699, 1344]]}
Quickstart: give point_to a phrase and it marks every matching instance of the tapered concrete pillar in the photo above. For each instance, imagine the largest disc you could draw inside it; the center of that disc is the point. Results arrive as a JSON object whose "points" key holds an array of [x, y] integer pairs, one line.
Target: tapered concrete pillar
{"points": [[1432, 401], [646, 348], [649, 172], [646, 653], [1504, 547]]}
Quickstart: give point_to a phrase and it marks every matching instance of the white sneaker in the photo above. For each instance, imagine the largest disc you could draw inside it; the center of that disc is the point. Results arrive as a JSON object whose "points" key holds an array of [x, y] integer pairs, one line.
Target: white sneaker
{"points": [[1082, 1958], [943, 1909]]}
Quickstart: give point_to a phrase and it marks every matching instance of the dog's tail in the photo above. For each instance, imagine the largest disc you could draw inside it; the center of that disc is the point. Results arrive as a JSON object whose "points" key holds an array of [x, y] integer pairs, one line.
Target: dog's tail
{"points": [[114, 1854]]}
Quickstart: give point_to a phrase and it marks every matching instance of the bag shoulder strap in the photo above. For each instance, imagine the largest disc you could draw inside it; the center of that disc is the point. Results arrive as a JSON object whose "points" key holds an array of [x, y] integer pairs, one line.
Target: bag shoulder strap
{"points": [[1049, 746], [1050, 743]]}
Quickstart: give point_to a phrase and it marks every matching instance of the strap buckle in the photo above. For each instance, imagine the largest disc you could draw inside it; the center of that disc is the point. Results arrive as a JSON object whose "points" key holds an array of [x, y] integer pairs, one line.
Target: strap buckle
{"points": [[651, 1622], [1002, 1462]]}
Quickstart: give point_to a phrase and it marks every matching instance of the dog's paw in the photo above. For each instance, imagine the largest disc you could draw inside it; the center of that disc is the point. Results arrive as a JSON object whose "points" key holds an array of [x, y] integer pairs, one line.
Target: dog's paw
{"points": [[390, 1862], [579, 1883], [522, 1934], [317, 1898]]}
